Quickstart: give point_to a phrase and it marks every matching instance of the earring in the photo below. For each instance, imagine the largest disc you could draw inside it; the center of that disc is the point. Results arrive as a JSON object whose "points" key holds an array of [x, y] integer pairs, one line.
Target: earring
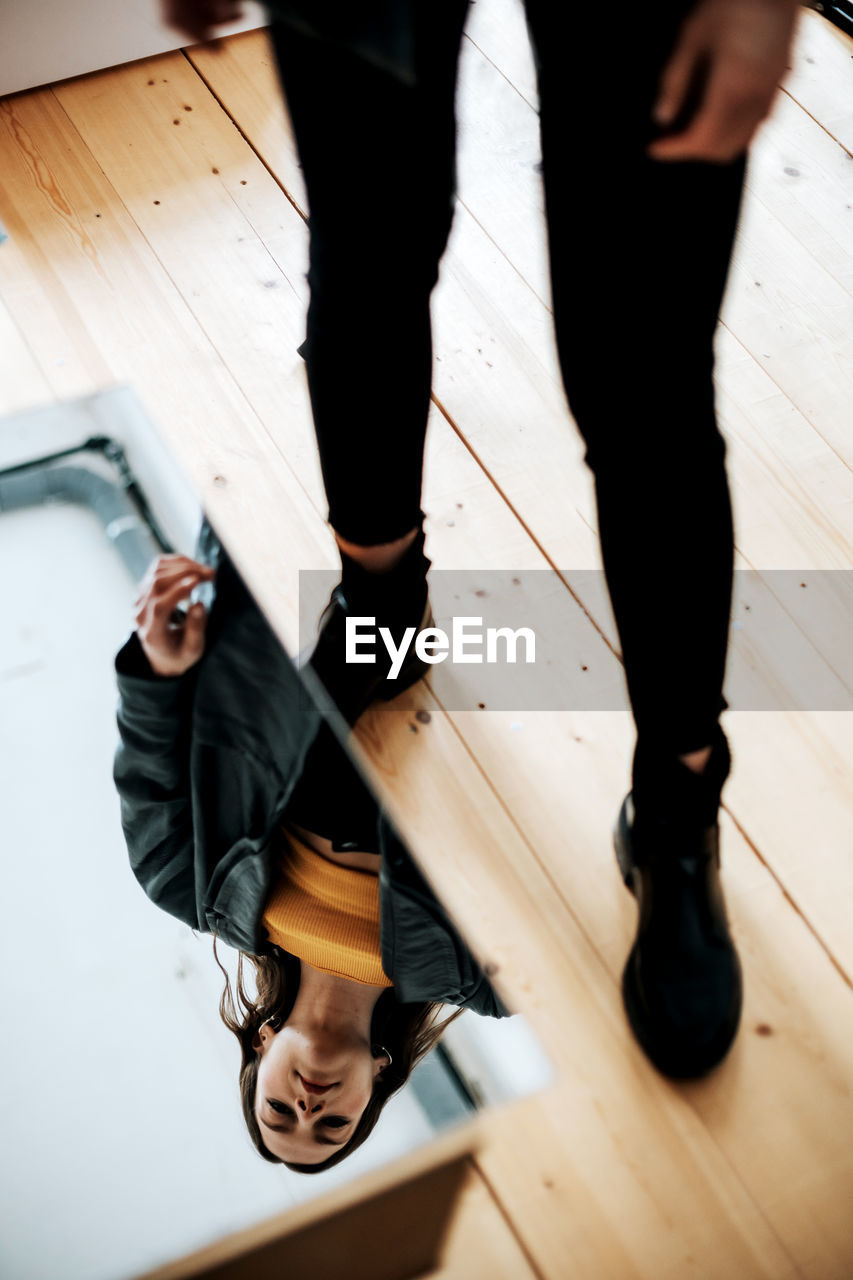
{"points": [[274, 1022], [377, 1049]]}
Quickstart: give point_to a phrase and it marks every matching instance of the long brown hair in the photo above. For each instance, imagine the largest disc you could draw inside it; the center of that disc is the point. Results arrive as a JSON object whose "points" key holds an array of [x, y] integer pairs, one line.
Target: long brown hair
{"points": [[407, 1031]]}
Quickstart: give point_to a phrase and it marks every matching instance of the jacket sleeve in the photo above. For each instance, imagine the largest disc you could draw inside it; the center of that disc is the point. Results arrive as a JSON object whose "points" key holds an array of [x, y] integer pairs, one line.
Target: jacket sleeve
{"points": [[152, 776], [483, 999]]}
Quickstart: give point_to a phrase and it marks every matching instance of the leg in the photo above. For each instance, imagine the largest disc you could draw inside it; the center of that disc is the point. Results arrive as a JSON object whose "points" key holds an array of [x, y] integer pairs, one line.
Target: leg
{"points": [[639, 255], [378, 156], [378, 160]]}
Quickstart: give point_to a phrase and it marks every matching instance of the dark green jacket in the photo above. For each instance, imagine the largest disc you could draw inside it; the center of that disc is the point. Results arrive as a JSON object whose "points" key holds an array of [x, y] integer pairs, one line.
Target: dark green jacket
{"points": [[204, 769]]}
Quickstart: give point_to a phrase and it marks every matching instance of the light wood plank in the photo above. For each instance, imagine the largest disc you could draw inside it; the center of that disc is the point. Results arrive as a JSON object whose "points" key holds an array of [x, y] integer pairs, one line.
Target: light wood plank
{"points": [[79, 278], [22, 384], [561, 798], [481, 1241], [821, 76], [232, 244], [801, 173], [792, 496], [255, 80], [794, 318], [499, 31], [573, 1196]]}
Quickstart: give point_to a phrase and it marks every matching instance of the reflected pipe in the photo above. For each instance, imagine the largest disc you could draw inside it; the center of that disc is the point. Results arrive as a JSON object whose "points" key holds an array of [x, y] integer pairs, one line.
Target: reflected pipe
{"points": [[119, 504]]}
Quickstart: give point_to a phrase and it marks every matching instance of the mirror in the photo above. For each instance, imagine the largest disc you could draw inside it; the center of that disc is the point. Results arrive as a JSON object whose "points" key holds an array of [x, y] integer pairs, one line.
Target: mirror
{"points": [[122, 1112]]}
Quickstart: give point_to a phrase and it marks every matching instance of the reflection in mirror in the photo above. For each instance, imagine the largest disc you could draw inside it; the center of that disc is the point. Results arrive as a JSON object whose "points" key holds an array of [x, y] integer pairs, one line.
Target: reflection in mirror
{"points": [[244, 818]]}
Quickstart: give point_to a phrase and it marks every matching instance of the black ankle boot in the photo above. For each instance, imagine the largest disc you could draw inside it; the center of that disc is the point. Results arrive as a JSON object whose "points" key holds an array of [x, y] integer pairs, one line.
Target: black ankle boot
{"points": [[397, 599], [681, 986]]}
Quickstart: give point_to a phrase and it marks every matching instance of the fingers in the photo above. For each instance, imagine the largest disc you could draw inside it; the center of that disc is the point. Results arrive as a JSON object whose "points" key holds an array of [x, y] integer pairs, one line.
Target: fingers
{"points": [[194, 633], [166, 565], [165, 570], [159, 604], [172, 646], [678, 74], [732, 107]]}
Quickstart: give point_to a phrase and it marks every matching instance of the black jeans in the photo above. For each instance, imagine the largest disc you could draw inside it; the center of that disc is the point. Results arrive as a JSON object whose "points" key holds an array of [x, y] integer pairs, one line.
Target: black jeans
{"points": [[639, 252]]}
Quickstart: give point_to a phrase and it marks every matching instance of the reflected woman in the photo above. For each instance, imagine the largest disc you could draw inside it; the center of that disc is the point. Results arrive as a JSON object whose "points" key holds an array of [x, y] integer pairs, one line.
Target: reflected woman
{"points": [[245, 818]]}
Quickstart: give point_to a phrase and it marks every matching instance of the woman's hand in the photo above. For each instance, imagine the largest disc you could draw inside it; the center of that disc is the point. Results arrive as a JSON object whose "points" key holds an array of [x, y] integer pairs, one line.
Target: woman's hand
{"points": [[171, 643], [726, 65], [198, 18]]}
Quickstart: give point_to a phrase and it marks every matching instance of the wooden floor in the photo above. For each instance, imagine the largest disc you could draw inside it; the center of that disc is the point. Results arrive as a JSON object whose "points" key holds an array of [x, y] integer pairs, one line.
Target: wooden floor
{"points": [[157, 238]]}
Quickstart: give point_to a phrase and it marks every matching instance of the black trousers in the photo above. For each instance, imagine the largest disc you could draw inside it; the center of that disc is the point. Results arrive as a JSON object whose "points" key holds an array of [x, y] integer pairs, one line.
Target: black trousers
{"points": [[639, 252]]}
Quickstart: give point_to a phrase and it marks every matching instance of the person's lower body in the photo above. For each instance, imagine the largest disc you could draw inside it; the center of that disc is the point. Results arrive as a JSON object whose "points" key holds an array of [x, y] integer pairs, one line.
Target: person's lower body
{"points": [[639, 254]]}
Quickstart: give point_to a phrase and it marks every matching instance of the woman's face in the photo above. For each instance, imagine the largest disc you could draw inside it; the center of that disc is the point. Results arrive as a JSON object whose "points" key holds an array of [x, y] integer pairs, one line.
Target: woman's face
{"points": [[313, 1086]]}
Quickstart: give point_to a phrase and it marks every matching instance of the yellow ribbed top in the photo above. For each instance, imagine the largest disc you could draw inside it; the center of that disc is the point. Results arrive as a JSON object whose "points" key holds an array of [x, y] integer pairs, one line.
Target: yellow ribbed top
{"points": [[325, 914]]}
